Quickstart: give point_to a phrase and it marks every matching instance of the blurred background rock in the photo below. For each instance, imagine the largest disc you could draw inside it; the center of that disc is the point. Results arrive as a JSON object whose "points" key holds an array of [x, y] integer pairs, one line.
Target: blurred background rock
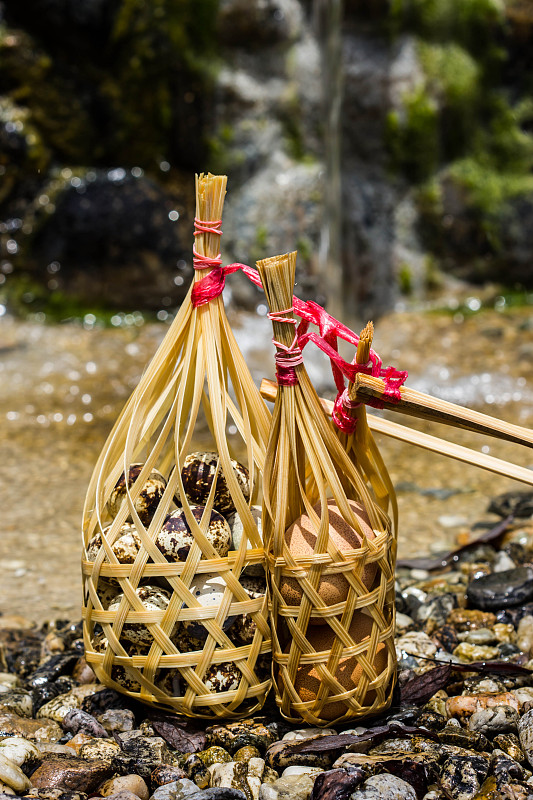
{"points": [[392, 138]]}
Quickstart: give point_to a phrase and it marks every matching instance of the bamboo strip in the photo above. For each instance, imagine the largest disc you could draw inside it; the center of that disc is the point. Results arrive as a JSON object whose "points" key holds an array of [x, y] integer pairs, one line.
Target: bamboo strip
{"points": [[432, 443], [417, 404]]}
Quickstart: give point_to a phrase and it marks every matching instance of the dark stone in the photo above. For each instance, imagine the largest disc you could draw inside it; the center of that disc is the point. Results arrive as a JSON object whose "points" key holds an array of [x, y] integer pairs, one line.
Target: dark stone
{"points": [[235, 735], [47, 691], [148, 751], [217, 793], [501, 589], [22, 650], [102, 701], [446, 637], [78, 720], [54, 667], [196, 770], [166, 773], [337, 784], [519, 504], [463, 738], [463, 775], [431, 720]]}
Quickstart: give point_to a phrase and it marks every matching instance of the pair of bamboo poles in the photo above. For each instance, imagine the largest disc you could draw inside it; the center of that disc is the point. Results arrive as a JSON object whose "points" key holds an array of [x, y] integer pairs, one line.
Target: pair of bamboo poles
{"points": [[168, 630]]}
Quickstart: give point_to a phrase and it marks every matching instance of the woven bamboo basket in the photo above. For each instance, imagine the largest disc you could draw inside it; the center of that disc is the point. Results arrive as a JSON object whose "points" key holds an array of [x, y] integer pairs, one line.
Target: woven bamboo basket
{"points": [[331, 562], [175, 607]]}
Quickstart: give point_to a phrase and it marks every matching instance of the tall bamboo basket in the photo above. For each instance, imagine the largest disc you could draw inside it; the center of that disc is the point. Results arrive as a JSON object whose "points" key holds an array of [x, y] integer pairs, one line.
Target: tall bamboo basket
{"points": [[175, 607], [332, 609]]}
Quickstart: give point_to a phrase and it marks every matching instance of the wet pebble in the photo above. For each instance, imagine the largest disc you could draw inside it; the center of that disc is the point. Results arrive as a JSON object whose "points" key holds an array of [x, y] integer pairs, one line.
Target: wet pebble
{"points": [[384, 787], [12, 775], [76, 773], [78, 720], [244, 775], [130, 783], [293, 787], [461, 777], [490, 721], [180, 789], [501, 589]]}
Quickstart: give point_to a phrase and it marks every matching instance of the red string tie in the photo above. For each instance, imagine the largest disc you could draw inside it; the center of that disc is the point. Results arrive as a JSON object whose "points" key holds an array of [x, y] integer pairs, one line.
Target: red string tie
{"points": [[287, 356], [340, 414], [200, 261]]}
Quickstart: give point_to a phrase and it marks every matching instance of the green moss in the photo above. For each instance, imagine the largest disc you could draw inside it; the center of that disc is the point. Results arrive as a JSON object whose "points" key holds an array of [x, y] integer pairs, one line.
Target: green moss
{"points": [[489, 189], [405, 278], [412, 136]]}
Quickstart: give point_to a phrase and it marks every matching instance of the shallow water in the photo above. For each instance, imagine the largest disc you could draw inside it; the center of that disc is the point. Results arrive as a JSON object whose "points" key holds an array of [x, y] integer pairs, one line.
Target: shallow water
{"points": [[61, 388]]}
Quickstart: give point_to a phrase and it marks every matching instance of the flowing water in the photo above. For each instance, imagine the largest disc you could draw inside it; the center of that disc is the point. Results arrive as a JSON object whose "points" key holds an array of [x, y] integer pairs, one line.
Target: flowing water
{"points": [[61, 388]]}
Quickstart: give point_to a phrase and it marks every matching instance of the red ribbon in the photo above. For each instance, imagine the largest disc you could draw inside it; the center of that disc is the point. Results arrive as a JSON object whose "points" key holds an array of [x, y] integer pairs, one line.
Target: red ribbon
{"points": [[330, 330]]}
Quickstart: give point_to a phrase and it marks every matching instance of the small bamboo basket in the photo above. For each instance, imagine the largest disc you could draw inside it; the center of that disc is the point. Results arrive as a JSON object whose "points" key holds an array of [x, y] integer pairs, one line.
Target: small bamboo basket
{"points": [[331, 562], [175, 607]]}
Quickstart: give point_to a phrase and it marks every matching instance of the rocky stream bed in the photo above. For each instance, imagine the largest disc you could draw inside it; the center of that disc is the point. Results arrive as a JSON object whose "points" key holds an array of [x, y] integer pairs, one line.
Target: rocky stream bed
{"points": [[460, 727]]}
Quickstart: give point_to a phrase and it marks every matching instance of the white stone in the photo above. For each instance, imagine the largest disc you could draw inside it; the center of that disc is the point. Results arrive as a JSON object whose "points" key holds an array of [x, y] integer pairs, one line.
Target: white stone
{"points": [[524, 635], [503, 562], [301, 770], [18, 750], [307, 733], [13, 775]]}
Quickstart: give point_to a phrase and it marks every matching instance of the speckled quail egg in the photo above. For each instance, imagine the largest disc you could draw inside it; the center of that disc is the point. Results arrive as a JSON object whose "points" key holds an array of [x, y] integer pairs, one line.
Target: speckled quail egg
{"points": [[209, 590], [171, 682], [184, 641], [244, 628], [153, 599], [197, 474], [224, 677], [175, 538], [237, 533], [123, 675], [149, 496], [125, 547]]}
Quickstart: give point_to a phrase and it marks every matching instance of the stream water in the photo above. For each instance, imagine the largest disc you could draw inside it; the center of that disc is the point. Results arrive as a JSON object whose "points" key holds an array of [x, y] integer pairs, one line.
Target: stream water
{"points": [[61, 388]]}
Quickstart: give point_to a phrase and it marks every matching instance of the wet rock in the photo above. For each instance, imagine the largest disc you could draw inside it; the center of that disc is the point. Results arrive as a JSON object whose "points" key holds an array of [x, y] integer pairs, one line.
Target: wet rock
{"points": [[463, 706], [502, 589], [336, 784], [78, 720], [100, 750], [300, 734], [235, 735], [505, 769], [18, 701], [467, 619], [435, 609], [56, 794], [147, 751], [166, 773], [281, 755], [177, 790], [36, 730], [471, 652], [117, 719], [196, 770], [21, 752], [461, 777], [519, 504], [130, 783], [45, 692], [12, 775], [58, 708], [490, 721], [446, 637], [216, 755], [245, 753], [244, 775], [293, 787], [384, 787], [83, 672], [524, 635], [74, 774], [470, 740], [509, 744], [525, 734]]}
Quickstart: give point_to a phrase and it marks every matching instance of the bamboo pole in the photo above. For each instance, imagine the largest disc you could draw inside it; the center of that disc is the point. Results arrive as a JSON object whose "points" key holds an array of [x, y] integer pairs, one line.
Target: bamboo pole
{"points": [[432, 443]]}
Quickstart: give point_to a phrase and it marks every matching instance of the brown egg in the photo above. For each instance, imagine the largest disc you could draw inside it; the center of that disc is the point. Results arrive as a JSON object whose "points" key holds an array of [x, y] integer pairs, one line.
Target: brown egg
{"points": [[349, 671], [301, 539]]}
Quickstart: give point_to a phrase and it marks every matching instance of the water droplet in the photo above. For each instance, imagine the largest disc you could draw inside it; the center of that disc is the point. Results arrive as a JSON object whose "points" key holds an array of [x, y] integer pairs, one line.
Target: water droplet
{"points": [[262, 310], [88, 417], [473, 303], [57, 417], [11, 246], [485, 449], [90, 366], [116, 320], [162, 315], [137, 172], [164, 166], [12, 415], [117, 174], [179, 280], [71, 419], [44, 200], [174, 215], [86, 399]]}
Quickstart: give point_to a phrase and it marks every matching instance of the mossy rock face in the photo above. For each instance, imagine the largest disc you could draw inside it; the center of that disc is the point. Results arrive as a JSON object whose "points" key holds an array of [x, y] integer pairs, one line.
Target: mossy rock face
{"points": [[480, 223], [107, 236]]}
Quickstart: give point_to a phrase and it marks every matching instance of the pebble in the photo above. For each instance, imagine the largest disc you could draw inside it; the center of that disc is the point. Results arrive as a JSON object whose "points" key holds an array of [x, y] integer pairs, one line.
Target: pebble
{"points": [[524, 634], [78, 720], [18, 701], [293, 787], [490, 721], [461, 776], [117, 719], [58, 708], [300, 734], [130, 783], [472, 652], [464, 706], [177, 790], [20, 751], [217, 755], [525, 734], [74, 773], [501, 589], [11, 774], [244, 775], [282, 754], [384, 787], [100, 749], [37, 730]]}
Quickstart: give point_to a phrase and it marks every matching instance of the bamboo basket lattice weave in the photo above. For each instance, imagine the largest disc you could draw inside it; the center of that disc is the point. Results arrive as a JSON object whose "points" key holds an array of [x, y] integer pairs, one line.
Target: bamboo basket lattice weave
{"points": [[329, 543], [175, 607]]}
